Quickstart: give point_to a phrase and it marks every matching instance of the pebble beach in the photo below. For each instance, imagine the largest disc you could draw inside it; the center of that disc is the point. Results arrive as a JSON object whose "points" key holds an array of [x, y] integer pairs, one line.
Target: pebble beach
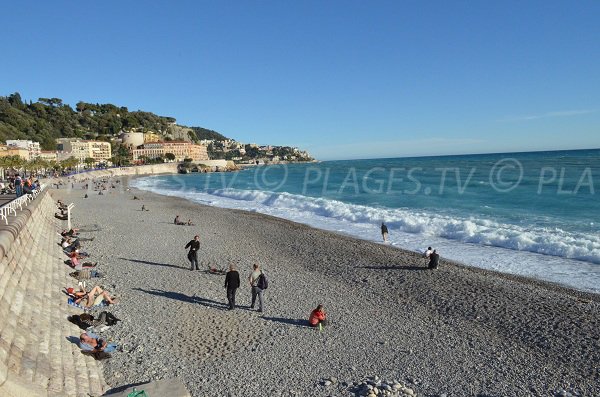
{"points": [[396, 328]]}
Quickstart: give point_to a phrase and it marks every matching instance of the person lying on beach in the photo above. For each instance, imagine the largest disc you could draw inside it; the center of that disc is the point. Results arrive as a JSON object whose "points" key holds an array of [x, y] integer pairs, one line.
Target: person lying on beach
{"points": [[92, 343], [318, 317], [69, 233], [85, 274], [93, 298], [76, 264], [61, 217], [87, 320], [70, 245]]}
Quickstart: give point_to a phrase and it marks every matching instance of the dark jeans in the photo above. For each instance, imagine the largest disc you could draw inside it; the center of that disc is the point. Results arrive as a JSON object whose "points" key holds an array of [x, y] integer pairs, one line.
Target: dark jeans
{"points": [[257, 292], [231, 297], [193, 258]]}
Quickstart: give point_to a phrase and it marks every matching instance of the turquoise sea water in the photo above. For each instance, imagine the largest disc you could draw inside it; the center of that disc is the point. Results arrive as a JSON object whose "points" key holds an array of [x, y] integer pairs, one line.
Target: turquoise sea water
{"points": [[535, 214]]}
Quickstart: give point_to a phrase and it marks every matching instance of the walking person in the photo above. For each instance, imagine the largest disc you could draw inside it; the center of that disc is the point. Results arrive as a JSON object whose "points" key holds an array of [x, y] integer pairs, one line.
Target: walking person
{"points": [[18, 185], [232, 283], [194, 246], [384, 232], [257, 284], [434, 260], [427, 254]]}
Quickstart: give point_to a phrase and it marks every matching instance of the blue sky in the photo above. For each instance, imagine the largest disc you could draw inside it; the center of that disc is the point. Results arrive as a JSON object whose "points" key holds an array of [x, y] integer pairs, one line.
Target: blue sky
{"points": [[343, 79]]}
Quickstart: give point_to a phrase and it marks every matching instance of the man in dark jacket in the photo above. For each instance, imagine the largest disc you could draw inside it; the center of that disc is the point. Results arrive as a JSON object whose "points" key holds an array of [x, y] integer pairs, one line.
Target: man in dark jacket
{"points": [[194, 246], [232, 283], [434, 260]]}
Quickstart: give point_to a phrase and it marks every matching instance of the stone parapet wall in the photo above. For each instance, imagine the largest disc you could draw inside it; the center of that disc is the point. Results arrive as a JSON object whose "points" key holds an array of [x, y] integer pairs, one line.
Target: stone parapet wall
{"points": [[36, 358]]}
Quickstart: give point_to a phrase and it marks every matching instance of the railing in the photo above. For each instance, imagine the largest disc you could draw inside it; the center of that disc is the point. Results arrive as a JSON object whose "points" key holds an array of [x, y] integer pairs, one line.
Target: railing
{"points": [[11, 207]]}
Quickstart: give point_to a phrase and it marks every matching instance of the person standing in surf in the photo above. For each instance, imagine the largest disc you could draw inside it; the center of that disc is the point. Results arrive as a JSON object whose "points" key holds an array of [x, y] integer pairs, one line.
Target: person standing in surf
{"points": [[384, 232]]}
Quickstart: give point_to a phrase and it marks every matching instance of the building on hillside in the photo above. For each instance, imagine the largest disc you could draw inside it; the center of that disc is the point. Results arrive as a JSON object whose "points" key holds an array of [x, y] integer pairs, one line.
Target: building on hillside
{"points": [[49, 155], [7, 151], [32, 147], [198, 153], [149, 150], [180, 149], [100, 151], [132, 139], [151, 137]]}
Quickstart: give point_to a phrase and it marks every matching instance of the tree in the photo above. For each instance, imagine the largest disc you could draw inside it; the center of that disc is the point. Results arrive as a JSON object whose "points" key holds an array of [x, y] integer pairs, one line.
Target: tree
{"points": [[170, 156], [69, 163], [252, 151], [89, 161]]}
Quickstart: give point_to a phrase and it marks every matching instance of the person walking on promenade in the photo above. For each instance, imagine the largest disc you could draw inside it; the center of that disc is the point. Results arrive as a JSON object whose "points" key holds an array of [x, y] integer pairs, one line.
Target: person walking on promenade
{"points": [[232, 283], [384, 232], [434, 260], [256, 290], [18, 185], [194, 246]]}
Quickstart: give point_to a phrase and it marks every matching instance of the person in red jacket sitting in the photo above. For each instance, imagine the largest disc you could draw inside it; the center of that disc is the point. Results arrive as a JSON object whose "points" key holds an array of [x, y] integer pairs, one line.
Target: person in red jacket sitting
{"points": [[318, 316]]}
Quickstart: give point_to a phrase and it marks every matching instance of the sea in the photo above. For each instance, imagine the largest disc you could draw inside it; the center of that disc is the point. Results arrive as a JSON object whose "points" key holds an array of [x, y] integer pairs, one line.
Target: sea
{"points": [[534, 214]]}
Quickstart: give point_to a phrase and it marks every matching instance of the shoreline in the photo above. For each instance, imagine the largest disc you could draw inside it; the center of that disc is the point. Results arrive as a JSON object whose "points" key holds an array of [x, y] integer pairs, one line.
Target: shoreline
{"points": [[391, 317], [459, 262], [417, 255]]}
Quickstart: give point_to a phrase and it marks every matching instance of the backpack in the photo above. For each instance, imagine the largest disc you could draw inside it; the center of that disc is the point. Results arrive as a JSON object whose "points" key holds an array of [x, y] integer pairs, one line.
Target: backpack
{"points": [[262, 282]]}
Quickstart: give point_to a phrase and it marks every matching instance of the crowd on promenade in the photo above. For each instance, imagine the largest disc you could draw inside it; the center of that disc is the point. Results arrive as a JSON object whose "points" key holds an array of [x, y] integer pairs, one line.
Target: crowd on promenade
{"points": [[18, 185]]}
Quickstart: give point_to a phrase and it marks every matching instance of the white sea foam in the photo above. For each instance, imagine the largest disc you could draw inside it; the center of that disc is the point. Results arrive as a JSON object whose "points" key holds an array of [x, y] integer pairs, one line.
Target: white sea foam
{"points": [[478, 242]]}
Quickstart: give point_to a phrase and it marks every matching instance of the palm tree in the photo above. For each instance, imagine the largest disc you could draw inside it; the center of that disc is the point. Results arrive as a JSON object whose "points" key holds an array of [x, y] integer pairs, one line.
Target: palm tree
{"points": [[89, 161]]}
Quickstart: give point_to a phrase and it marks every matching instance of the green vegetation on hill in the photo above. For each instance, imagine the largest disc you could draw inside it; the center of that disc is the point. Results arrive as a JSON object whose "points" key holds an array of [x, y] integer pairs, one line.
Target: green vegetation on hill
{"points": [[49, 118], [203, 133]]}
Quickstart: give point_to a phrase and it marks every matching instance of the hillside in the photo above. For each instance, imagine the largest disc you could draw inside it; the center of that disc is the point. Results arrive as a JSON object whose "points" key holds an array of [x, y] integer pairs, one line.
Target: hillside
{"points": [[50, 118]]}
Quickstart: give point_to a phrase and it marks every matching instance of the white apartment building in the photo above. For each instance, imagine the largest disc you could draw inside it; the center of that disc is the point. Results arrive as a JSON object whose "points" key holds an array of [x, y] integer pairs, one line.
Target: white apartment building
{"points": [[32, 147]]}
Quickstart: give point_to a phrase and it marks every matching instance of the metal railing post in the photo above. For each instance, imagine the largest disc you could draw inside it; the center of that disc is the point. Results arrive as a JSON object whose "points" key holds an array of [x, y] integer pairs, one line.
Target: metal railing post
{"points": [[69, 207]]}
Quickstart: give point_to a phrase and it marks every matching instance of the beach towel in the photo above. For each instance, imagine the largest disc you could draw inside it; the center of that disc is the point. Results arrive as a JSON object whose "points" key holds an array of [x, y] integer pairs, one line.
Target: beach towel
{"points": [[71, 302]]}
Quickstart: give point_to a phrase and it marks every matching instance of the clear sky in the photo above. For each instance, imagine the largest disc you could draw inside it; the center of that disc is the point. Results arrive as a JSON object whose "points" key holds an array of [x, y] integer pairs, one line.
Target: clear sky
{"points": [[343, 79]]}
